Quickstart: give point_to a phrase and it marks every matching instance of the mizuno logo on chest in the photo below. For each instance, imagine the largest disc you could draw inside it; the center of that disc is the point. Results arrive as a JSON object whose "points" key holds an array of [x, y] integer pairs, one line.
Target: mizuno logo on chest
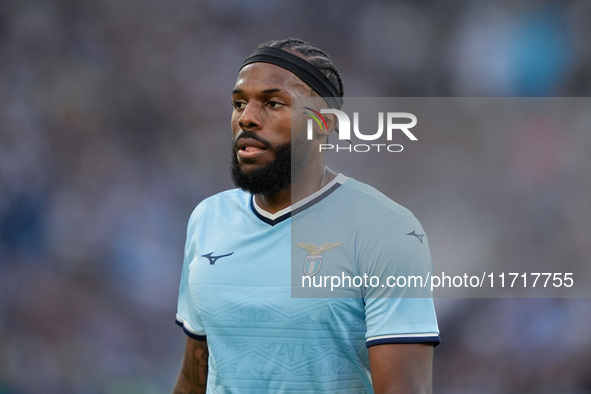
{"points": [[212, 259]]}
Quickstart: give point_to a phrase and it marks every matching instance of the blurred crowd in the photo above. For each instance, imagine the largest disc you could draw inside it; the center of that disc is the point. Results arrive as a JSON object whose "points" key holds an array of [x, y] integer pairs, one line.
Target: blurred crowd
{"points": [[114, 124]]}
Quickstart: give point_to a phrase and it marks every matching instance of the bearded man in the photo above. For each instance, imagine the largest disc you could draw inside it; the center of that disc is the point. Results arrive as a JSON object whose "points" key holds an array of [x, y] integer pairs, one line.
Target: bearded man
{"points": [[246, 333]]}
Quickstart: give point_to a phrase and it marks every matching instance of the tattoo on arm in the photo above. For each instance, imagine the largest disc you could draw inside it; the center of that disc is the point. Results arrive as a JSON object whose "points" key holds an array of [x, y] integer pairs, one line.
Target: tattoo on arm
{"points": [[193, 376]]}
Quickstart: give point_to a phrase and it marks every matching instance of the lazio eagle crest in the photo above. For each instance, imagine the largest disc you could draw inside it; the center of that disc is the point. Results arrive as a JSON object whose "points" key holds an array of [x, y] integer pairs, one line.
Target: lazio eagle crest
{"points": [[314, 259]]}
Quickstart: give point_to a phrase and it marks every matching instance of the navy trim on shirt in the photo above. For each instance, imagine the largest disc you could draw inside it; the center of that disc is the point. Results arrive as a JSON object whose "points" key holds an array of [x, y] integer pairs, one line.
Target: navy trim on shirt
{"points": [[190, 334], [272, 222], [434, 340], [295, 211]]}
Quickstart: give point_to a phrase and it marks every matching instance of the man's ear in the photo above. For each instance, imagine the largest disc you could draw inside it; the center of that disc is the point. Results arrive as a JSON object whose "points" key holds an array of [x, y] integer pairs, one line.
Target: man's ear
{"points": [[331, 122]]}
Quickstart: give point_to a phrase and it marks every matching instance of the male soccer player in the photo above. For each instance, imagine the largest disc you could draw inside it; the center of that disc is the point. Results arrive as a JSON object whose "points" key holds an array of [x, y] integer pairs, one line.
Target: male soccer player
{"points": [[246, 334]]}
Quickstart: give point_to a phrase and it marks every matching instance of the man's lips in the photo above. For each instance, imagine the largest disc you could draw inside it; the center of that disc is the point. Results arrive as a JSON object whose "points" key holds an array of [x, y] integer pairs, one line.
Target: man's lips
{"points": [[248, 148]]}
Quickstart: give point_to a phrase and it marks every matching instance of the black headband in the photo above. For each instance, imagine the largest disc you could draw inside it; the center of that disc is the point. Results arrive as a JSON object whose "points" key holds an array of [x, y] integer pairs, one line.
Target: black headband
{"points": [[300, 67]]}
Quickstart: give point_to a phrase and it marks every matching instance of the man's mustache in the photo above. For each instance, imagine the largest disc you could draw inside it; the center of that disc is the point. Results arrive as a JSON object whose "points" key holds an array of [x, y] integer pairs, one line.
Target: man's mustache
{"points": [[254, 136]]}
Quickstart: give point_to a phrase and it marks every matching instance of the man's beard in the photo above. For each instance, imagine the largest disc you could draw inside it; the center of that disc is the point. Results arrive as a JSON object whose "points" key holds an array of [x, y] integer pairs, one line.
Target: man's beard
{"points": [[274, 176]]}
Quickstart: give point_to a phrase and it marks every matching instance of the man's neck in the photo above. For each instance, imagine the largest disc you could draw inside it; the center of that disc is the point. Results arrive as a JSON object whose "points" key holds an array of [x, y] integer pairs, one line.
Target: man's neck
{"points": [[305, 185]]}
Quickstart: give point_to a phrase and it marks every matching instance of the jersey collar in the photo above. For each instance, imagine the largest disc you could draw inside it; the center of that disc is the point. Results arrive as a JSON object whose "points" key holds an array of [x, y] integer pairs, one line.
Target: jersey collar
{"points": [[286, 213]]}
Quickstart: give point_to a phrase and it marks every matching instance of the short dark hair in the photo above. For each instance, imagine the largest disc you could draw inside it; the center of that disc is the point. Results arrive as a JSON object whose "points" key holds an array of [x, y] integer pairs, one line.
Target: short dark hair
{"points": [[315, 56]]}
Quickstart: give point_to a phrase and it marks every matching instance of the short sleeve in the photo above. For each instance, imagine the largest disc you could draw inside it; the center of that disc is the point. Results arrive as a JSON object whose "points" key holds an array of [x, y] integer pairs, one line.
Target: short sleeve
{"points": [[186, 316], [399, 307]]}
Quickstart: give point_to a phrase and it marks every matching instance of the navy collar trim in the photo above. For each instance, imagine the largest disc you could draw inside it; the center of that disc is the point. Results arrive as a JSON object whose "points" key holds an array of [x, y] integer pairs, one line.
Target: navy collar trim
{"points": [[298, 207]]}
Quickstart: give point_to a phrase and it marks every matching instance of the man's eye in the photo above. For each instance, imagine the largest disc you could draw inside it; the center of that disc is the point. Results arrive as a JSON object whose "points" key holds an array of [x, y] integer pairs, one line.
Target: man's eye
{"points": [[238, 104], [275, 104]]}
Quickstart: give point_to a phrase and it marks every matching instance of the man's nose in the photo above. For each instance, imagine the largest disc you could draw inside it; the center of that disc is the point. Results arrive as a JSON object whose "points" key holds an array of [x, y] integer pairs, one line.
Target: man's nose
{"points": [[250, 117]]}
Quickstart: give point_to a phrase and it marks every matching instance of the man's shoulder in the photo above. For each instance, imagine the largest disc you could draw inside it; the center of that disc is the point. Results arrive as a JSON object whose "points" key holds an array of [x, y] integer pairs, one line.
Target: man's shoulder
{"points": [[370, 199], [231, 196], [228, 202]]}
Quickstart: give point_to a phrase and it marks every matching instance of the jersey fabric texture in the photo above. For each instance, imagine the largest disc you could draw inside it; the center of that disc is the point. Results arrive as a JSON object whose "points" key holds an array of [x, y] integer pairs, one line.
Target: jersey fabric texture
{"points": [[242, 265]]}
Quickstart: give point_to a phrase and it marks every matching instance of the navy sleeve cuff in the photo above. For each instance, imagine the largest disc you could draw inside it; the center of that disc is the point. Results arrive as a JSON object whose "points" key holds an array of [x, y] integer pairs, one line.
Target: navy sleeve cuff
{"points": [[189, 333], [385, 339]]}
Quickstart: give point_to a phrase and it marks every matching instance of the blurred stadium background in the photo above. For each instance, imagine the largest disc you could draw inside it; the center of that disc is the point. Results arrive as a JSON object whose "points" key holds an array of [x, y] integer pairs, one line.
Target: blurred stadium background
{"points": [[114, 124]]}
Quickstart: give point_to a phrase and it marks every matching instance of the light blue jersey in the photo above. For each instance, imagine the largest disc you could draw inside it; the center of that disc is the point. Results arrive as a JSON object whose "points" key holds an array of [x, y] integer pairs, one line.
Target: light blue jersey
{"points": [[236, 289]]}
